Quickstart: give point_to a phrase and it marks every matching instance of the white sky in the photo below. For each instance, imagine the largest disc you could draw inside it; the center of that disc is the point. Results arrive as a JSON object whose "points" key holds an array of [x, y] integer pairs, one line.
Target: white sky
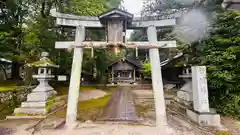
{"points": [[134, 7]]}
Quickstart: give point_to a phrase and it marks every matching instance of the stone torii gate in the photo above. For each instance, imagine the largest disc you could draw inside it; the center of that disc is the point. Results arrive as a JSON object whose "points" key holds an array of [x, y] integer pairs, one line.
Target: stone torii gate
{"points": [[115, 22]]}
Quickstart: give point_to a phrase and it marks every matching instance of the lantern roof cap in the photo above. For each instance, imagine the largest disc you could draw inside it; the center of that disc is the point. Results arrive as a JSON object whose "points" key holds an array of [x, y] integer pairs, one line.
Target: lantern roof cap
{"points": [[116, 13], [43, 62]]}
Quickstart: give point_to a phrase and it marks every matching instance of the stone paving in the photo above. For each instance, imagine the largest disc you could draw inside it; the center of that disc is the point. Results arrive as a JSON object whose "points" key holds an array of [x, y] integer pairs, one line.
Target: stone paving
{"points": [[6, 131], [120, 107]]}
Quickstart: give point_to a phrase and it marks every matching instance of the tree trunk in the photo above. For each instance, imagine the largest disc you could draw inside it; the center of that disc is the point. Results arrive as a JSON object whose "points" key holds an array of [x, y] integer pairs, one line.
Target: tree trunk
{"points": [[4, 71], [15, 71], [28, 72]]}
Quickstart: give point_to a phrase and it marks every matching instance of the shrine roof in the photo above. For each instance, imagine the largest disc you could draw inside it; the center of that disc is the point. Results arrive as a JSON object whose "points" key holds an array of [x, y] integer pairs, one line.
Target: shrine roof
{"points": [[170, 62], [3, 60], [133, 61], [231, 4], [111, 12], [116, 13]]}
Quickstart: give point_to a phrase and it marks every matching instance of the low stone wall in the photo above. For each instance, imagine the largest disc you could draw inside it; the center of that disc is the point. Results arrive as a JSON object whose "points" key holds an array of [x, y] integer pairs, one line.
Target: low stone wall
{"points": [[19, 94], [9, 100]]}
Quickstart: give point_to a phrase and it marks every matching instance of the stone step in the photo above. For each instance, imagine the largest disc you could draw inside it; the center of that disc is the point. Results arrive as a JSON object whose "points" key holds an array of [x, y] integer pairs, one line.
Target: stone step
{"points": [[29, 109], [33, 104], [25, 117], [35, 111]]}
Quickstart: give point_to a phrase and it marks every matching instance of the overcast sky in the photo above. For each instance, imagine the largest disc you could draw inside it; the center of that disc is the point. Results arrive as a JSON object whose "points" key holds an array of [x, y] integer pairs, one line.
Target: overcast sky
{"points": [[133, 6]]}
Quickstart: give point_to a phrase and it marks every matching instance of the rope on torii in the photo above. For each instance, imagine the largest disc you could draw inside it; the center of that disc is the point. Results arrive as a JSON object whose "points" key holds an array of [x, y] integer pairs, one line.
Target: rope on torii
{"points": [[129, 45], [103, 45], [81, 23]]}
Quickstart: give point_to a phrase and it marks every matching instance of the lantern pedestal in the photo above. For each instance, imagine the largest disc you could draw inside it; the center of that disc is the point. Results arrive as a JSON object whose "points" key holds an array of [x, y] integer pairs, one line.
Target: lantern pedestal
{"points": [[37, 102], [185, 94]]}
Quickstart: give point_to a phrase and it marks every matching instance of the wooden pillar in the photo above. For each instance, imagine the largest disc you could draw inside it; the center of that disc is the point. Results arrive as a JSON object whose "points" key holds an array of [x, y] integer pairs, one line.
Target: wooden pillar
{"points": [[75, 78], [134, 75], [112, 75], [92, 52], [136, 52], [157, 83]]}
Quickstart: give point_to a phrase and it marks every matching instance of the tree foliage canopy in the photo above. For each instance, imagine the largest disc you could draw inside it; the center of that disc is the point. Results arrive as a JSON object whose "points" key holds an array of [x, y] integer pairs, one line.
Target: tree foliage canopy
{"points": [[27, 29], [220, 53]]}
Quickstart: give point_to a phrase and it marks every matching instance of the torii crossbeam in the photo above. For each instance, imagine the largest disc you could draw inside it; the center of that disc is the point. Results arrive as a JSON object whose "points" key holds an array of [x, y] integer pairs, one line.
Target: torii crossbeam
{"points": [[116, 21]]}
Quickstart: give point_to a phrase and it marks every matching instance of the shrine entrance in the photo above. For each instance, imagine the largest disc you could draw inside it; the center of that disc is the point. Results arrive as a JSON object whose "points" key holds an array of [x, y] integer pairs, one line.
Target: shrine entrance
{"points": [[115, 22]]}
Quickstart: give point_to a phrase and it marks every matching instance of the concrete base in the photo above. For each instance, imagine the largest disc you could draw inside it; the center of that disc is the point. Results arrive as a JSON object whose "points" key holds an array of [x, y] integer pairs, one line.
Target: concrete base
{"points": [[205, 119]]}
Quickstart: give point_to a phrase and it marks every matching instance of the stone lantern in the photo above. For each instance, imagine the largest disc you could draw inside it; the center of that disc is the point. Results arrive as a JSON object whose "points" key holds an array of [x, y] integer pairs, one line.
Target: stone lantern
{"points": [[37, 100], [185, 94], [44, 66]]}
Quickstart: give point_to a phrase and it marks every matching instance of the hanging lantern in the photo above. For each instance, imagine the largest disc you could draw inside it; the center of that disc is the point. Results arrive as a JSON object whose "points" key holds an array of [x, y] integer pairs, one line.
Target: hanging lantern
{"points": [[116, 22]]}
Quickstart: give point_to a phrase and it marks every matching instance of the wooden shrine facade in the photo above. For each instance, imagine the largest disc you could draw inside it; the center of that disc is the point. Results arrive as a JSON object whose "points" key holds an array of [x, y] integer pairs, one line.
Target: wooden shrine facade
{"points": [[124, 70]]}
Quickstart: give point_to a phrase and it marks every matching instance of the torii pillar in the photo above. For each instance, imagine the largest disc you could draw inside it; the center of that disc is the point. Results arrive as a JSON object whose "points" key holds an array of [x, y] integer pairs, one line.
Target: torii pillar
{"points": [[74, 87], [100, 22], [157, 82]]}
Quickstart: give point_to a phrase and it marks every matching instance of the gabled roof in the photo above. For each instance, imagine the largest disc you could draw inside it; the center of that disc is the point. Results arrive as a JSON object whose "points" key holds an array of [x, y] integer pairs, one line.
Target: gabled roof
{"points": [[169, 60], [5, 60], [231, 4], [132, 61], [116, 13]]}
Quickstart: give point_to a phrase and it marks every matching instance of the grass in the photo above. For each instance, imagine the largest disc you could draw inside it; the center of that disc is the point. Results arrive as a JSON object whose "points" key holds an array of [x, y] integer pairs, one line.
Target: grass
{"points": [[64, 90], [6, 88], [26, 114], [222, 133], [141, 110], [88, 110]]}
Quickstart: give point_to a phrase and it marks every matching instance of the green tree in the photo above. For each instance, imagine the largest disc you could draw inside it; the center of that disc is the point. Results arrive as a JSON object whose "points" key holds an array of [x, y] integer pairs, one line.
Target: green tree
{"points": [[146, 69], [27, 29], [220, 53], [12, 19]]}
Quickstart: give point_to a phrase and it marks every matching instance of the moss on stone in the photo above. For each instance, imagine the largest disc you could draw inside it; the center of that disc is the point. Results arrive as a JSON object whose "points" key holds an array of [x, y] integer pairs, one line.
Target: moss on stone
{"points": [[6, 88], [51, 99], [222, 133], [28, 114], [44, 62]]}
